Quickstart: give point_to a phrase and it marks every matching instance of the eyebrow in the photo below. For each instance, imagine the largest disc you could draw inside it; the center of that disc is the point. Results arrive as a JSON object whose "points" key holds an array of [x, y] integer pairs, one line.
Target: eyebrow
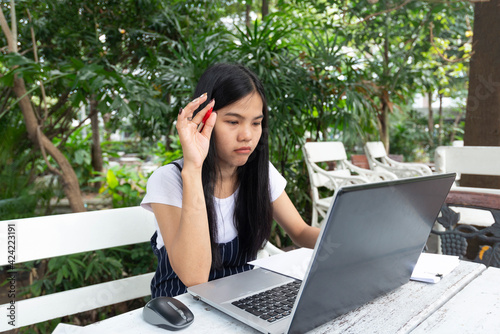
{"points": [[240, 116]]}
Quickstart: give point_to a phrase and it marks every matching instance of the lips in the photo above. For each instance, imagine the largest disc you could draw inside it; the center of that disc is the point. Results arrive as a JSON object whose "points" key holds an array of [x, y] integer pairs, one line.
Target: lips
{"points": [[244, 150]]}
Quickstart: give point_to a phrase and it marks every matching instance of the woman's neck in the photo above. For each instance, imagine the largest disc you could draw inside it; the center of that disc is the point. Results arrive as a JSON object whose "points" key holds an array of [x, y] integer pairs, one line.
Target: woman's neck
{"points": [[227, 183]]}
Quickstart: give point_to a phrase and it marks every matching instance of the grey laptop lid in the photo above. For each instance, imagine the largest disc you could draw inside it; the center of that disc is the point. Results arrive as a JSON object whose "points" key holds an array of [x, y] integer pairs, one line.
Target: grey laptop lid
{"points": [[370, 243]]}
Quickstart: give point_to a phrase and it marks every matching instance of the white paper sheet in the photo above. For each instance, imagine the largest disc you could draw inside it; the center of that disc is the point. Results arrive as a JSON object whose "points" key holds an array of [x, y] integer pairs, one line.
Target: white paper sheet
{"points": [[293, 263], [431, 268]]}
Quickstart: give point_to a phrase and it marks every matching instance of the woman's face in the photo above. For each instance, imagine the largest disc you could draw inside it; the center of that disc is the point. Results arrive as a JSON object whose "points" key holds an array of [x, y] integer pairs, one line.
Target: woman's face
{"points": [[237, 130]]}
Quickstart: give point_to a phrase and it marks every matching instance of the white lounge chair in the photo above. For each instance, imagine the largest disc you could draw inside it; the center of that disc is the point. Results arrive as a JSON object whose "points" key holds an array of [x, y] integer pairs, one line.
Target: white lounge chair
{"points": [[344, 173], [379, 160]]}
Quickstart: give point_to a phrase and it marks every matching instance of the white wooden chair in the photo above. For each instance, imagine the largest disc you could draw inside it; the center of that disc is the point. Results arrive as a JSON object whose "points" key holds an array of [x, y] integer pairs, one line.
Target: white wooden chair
{"points": [[51, 236], [477, 160], [268, 250], [379, 160], [343, 174], [478, 208]]}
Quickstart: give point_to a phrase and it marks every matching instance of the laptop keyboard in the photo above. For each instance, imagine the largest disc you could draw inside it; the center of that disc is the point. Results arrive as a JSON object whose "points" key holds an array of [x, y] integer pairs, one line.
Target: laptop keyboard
{"points": [[273, 304]]}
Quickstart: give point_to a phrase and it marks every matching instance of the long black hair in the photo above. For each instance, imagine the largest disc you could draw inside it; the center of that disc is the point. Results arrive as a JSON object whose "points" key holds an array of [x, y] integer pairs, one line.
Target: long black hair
{"points": [[228, 83]]}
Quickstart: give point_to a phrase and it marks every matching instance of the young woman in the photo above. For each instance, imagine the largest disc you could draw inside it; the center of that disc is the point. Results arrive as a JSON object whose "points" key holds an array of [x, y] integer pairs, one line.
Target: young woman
{"points": [[214, 208]]}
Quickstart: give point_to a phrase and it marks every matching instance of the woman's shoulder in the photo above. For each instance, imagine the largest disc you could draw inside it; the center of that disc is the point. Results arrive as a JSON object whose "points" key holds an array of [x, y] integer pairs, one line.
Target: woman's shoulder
{"points": [[164, 186], [175, 165], [277, 183], [172, 169], [273, 170]]}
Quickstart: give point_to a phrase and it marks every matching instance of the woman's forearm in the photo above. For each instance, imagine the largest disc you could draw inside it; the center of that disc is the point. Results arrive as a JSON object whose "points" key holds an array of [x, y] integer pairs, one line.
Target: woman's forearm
{"points": [[188, 243], [308, 237]]}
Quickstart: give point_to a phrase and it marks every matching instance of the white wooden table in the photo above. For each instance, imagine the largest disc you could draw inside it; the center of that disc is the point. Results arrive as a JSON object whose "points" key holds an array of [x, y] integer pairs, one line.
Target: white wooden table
{"points": [[468, 298], [475, 309]]}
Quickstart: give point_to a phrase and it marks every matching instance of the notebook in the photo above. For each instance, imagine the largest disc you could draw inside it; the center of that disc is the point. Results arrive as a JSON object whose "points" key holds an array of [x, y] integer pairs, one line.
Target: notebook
{"points": [[369, 243]]}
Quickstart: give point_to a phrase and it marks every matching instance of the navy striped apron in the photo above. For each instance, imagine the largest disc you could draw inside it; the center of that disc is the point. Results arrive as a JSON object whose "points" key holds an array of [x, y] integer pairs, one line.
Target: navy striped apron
{"points": [[166, 282]]}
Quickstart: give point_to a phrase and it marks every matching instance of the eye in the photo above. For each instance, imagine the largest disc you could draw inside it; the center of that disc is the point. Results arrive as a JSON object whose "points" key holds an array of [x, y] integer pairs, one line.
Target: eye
{"points": [[257, 123], [232, 122]]}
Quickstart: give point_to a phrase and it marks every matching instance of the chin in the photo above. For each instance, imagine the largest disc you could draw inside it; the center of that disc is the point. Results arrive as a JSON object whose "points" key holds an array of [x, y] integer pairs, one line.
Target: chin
{"points": [[241, 162]]}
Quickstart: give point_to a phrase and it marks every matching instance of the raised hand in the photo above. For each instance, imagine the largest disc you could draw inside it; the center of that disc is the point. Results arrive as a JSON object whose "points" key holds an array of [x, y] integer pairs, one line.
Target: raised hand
{"points": [[194, 143]]}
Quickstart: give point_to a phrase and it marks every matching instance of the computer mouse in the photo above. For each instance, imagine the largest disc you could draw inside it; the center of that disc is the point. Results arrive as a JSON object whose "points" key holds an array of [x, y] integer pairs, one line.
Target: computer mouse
{"points": [[168, 313]]}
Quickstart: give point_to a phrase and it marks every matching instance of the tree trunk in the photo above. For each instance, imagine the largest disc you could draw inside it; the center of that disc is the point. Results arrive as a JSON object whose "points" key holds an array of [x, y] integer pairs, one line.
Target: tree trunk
{"points": [[482, 119], [383, 120], [455, 125], [430, 119], [265, 8], [440, 132], [247, 15], [385, 95], [96, 152], [69, 179], [107, 132]]}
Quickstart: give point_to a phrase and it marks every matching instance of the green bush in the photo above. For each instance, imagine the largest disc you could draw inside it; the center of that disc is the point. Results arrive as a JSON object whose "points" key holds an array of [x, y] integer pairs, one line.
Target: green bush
{"points": [[410, 136], [125, 185]]}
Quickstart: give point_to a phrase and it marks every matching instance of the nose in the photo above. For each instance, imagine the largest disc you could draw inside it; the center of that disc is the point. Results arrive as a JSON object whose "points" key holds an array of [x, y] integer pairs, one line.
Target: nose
{"points": [[245, 133]]}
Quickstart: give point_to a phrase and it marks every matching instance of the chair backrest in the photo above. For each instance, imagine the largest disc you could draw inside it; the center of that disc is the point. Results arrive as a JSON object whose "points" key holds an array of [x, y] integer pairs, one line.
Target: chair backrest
{"points": [[478, 160], [315, 152], [58, 235], [325, 151], [375, 149]]}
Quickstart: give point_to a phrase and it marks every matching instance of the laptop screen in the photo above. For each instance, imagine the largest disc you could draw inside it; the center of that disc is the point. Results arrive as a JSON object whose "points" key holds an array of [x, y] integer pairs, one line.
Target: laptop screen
{"points": [[369, 243]]}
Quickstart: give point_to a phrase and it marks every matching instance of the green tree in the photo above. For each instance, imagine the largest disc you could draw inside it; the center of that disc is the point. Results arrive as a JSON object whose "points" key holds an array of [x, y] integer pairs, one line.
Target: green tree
{"points": [[392, 38], [444, 69], [37, 137], [87, 63]]}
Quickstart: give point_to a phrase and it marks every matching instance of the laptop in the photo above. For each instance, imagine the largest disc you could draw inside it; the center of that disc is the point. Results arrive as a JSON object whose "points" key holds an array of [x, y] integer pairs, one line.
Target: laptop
{"points": [[370, 241]]}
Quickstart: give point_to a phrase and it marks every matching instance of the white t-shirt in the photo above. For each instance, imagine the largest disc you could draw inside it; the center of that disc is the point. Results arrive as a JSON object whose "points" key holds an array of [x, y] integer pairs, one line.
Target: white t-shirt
{"points": [[165, 187]]}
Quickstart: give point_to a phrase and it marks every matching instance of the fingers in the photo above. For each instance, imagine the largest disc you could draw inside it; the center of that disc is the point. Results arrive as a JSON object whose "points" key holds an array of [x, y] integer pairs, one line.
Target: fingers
{"points": [[186, 114], [208, 126], [200, 116], [204, 117], [205, 113]]}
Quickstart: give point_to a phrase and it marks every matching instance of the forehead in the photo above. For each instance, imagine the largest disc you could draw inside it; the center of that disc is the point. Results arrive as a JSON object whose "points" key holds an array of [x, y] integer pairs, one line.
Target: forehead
{"points": [[250, 106]]}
